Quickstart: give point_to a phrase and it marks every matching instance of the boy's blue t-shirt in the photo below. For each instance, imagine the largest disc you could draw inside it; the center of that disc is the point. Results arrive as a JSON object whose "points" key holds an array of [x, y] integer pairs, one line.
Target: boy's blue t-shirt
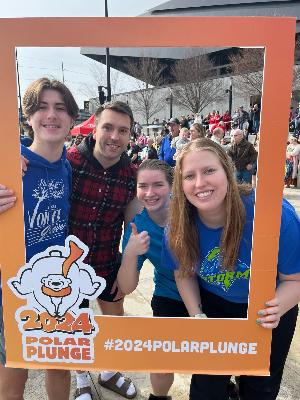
{"points": [[234, 285], [165, 284]]}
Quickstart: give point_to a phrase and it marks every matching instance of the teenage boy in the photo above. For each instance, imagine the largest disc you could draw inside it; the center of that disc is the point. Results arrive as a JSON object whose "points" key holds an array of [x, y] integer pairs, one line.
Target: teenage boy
{"points": [[50, 111]]}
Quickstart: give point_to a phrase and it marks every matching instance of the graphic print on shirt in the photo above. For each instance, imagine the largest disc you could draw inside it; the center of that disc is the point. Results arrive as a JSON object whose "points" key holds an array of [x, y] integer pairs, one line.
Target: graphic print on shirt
{"points": [[46, 219], [210, 271]]}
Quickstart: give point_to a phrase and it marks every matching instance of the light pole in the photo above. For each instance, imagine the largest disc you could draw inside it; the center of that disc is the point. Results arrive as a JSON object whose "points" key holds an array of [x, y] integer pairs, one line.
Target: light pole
{"points": [[229, 91], [108, 85], [170, 101]]}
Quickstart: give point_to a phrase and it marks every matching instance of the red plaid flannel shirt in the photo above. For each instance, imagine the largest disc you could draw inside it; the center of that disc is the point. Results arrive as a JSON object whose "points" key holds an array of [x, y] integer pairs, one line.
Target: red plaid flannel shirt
{"points": [[98, 201]]}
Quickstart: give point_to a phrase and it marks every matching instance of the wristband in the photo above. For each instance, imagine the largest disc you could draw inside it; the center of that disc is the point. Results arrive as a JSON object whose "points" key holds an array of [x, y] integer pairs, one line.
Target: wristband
{"points": [[200, 316]]}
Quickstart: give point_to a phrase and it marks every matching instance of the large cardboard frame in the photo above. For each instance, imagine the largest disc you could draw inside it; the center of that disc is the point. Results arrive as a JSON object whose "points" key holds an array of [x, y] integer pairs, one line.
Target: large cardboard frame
{"points": [[276, 35]]}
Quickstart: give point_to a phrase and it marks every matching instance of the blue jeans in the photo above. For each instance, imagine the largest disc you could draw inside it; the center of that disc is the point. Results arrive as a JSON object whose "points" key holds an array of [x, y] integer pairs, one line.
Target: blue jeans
{"points": [[243, 176]]}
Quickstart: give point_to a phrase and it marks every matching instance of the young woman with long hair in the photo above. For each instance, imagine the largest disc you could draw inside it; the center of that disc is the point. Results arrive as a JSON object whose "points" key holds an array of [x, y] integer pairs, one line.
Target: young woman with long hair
{"points": [[210, 232]]}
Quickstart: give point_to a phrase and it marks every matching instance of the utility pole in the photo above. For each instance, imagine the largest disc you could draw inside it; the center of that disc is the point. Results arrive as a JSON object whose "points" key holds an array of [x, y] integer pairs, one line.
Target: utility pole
{"points": [[63, 72], [108, 85]]}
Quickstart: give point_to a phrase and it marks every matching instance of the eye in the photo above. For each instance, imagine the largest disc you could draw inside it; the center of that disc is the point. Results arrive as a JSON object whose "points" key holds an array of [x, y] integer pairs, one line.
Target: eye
{"points": [[210, 171], [123, 131], [61, 108], [188, 177]]}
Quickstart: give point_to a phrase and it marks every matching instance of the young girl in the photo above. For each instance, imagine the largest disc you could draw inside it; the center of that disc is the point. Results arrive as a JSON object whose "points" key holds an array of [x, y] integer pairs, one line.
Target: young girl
{"points": [[142, 240], [211, 215]]}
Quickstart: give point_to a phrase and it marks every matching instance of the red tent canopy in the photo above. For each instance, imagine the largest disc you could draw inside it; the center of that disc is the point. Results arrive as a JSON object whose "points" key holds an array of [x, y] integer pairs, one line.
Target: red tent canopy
{"points": [[85, 127]]}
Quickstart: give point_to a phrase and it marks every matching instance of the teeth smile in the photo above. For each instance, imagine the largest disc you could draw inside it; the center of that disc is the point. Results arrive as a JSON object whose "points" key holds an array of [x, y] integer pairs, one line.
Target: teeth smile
{"points": [[50, 126], [202, 195]]}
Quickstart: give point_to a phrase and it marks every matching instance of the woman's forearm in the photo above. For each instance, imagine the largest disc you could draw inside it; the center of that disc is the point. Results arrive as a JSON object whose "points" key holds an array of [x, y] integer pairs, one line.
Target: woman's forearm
{"points": [[288, 294], [188, 288]]}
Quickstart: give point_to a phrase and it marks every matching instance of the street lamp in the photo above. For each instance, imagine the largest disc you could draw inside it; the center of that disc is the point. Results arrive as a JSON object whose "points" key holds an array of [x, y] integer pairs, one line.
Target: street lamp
{"points": [[229, 91], [170, 101], [108, 85]]}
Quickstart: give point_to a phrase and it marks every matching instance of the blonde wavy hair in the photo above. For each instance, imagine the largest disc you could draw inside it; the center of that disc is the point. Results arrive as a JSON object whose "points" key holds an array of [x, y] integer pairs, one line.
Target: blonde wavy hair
{"points": [[183, 233]]}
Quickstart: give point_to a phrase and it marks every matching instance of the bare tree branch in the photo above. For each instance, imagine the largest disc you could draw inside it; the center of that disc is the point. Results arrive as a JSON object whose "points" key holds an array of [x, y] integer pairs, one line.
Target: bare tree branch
{"points": [[248, 66], [146, 101], [197, 88]]}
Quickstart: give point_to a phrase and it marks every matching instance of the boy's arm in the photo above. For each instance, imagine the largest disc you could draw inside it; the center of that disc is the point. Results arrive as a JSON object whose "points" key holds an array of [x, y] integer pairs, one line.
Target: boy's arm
{"points": [[133, 208], [7, 198]]}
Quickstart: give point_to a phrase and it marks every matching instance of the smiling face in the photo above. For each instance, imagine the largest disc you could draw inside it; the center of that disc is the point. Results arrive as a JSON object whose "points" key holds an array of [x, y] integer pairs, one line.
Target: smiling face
{"points": [[51, 122], [111, 136], [153, 190], [204, 183]]}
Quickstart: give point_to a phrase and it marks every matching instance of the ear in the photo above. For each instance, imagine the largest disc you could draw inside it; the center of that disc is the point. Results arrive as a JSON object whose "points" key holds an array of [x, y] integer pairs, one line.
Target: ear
{"points": [[94, 133], [28, 121]]}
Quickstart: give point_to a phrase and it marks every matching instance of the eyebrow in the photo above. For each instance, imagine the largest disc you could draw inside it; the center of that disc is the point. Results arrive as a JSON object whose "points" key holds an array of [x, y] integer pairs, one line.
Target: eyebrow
{"points": [[56, 104], [145, 183], [119, 127]]}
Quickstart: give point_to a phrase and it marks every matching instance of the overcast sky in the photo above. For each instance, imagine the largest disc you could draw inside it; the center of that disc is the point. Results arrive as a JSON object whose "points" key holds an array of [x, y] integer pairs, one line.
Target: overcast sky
{"points": [[37, 62]]}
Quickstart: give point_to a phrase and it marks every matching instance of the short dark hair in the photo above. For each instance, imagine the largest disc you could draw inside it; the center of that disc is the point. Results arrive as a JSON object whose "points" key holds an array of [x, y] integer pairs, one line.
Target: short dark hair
{"points": [[117, 106], [32, 95]]}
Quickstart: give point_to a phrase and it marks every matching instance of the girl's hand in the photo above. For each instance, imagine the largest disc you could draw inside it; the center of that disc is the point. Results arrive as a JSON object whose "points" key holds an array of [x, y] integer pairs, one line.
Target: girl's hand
{"points": [[138, 243], [269, 317]]}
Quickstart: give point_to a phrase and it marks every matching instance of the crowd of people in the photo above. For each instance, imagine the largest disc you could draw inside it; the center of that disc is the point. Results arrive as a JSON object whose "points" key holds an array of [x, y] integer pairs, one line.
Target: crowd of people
{"points": [[184, 206]]}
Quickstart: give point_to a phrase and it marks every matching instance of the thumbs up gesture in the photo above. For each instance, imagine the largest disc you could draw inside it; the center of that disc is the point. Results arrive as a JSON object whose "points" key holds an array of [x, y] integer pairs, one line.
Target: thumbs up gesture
{"points": [[138, 243]]}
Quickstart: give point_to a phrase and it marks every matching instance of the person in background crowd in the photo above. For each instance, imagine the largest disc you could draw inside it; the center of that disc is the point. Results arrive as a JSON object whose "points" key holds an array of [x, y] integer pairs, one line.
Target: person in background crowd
{"points": [[255, 118], [292, 162], [214, 119], [142, 140], [217, 135], [243, 155], [133, 151], [50, 111], [213, 236], [198, 119], [243, 118], [149, 152], [184, 123], [197, 131], [167, 152], [226, 118]]}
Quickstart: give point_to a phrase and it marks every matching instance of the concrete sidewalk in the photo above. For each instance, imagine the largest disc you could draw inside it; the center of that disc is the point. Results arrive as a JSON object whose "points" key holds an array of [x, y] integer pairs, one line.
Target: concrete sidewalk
{"points": [[139, 304]]}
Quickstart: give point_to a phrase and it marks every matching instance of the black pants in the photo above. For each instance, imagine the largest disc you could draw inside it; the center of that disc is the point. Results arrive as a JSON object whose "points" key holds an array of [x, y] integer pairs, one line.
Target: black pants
{"points": [[213, 387]]}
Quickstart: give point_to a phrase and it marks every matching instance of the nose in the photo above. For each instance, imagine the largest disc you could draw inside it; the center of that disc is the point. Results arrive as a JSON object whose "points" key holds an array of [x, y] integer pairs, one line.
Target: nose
{"points": [[149, 191], [114, 134], [56, 283], [200, 180], [51, 112]]}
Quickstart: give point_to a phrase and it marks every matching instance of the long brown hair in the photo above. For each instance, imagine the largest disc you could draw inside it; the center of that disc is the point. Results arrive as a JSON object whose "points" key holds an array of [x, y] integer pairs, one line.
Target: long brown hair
{"points": [[183, 233]]}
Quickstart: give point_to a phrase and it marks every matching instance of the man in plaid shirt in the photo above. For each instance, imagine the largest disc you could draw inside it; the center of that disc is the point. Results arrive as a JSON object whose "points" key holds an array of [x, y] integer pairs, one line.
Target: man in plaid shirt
{"points": [[103, 198]]}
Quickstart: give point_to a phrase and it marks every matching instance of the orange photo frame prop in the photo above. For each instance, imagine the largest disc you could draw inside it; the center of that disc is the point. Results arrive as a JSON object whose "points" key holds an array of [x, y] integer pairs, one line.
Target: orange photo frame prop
{"points": [[141, 343]]}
